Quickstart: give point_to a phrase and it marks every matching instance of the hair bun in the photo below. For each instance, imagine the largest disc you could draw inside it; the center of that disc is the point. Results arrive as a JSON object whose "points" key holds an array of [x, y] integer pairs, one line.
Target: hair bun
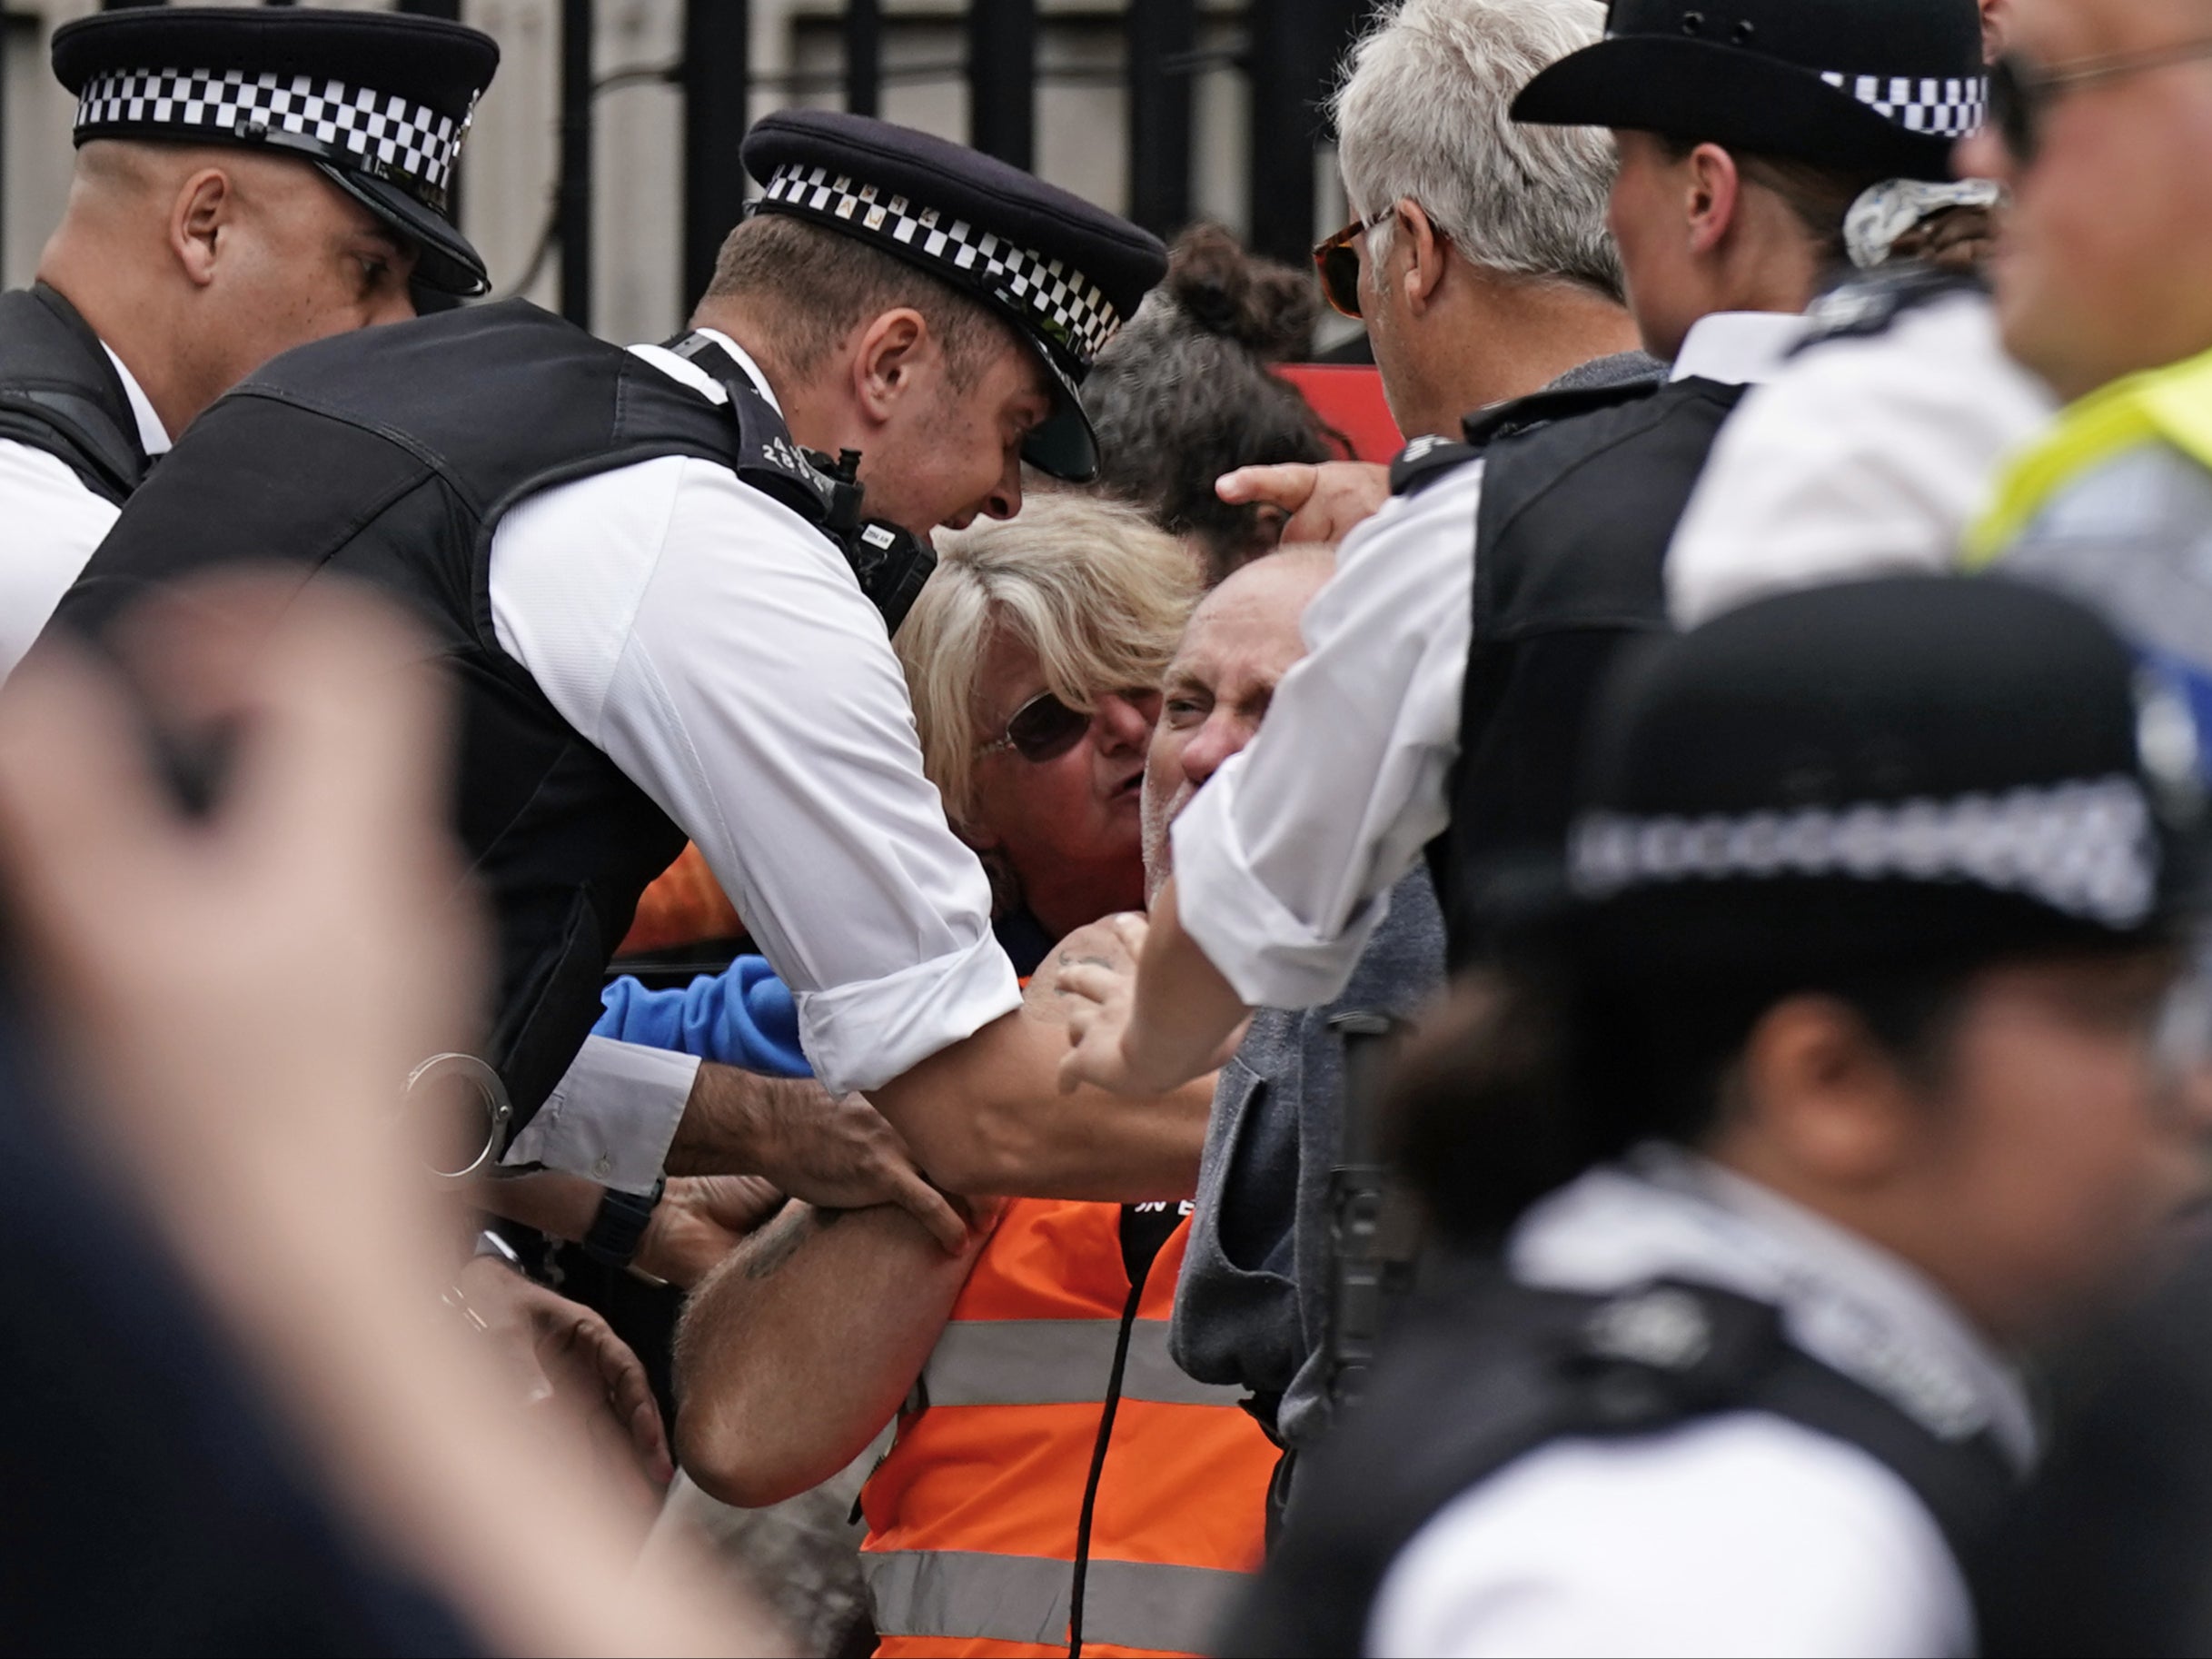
{"points": [[1266, 307]]}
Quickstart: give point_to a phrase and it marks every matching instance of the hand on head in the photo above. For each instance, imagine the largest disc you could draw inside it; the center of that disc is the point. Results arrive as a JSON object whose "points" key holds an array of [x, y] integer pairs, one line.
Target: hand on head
{"points": [[1320, 503]]}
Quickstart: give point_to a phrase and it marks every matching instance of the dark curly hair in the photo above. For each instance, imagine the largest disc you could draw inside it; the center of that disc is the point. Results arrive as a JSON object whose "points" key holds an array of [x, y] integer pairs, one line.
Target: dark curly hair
{"points": [[1185, 393]]}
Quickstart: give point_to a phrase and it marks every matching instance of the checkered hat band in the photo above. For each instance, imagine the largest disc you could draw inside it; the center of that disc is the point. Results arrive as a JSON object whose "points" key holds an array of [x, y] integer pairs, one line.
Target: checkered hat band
{"points": [[384, 134], [1942, 109], [1063, 304], [2085, 849]]}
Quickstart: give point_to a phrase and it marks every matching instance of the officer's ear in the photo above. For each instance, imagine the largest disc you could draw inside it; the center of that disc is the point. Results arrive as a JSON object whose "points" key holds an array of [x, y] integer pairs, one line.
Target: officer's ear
{"points": [[1712, 189], [888, 358], [1426, 251], [206, 205], [1817, 1100]]}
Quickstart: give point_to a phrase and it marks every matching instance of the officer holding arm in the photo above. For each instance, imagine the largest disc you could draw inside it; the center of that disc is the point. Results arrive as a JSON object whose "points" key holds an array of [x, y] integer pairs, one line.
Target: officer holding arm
{"points": [[1455, 652], [664, 581], [246, 181]]}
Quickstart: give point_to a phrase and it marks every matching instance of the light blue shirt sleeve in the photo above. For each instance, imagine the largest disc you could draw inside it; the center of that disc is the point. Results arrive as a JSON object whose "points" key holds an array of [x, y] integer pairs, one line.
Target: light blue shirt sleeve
{"points": [[744, 1016]]}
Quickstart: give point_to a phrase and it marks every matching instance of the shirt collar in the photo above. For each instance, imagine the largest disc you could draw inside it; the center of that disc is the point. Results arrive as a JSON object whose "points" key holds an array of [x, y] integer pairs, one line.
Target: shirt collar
{"points": [[1845, 1301], [152, 436], [1738, 348], [699, 380]]}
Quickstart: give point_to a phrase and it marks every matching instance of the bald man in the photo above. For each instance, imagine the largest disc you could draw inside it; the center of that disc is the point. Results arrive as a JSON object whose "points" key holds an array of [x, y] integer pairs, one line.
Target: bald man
{"points": [[246, 183]]}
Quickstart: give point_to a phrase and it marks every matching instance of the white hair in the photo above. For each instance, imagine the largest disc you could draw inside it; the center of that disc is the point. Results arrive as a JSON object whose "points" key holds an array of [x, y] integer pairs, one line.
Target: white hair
{"points": [[1420, 113]]}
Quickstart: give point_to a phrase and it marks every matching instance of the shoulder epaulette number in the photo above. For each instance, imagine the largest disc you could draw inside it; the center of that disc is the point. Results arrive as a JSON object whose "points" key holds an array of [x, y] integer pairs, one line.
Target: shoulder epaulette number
{"points": [[1424, 460]]}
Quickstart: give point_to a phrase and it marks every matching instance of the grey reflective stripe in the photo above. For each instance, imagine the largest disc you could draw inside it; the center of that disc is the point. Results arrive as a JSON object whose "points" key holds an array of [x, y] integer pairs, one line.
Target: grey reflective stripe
{"points": [[953, 1593], [1058, 1362]]}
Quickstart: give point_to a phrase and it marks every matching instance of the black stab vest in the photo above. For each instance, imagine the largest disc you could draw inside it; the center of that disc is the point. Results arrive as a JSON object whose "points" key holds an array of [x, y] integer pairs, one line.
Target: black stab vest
{"points": [[60, 393], [1581, 492], [389, 455], [1492, 1372]]}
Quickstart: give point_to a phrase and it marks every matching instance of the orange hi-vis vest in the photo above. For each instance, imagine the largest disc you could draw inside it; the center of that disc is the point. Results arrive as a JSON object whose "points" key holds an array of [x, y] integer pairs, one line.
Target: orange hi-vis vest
{"points": [[1058, 1486]]}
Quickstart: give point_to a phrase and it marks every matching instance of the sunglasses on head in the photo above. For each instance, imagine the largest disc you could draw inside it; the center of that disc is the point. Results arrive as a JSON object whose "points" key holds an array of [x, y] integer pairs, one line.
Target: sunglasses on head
{"points": [[1043, 728], [2022, 92], [1338, 262]]}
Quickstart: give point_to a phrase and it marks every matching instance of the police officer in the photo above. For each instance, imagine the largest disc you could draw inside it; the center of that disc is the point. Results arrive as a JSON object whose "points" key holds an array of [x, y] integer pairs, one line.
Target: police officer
{"points": [[664, 580], [246, 181], [1444, 693], [1843, 1065], [1876, 445]]}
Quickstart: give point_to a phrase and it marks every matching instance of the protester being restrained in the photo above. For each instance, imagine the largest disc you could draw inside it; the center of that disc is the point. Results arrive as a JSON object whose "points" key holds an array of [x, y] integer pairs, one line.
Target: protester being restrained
{"points": [[1039, 1491], [667, 621]]}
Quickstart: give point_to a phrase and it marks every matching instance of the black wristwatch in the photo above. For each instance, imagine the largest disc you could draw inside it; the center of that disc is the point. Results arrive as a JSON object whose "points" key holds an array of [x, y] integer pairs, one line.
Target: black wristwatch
{"points": [[620, 1227]]}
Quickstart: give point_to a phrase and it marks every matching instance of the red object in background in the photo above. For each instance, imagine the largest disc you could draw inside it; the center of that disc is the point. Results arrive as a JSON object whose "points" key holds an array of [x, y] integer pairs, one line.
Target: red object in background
{"points": [[1349, 397]]}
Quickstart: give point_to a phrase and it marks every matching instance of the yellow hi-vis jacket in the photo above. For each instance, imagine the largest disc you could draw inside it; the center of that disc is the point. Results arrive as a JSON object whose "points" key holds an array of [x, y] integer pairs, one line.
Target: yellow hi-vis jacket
{"points": [[2169, 405]]}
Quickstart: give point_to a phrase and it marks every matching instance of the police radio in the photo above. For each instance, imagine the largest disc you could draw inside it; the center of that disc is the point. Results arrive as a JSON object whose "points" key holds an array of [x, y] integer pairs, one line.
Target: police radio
{"points": [[891, 563], [1375, 1234]]}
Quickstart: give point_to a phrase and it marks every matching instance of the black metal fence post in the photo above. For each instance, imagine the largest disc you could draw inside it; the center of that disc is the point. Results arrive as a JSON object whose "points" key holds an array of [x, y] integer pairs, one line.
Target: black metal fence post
{"points": [[575, 212], [1002, 79], [864, 56], [716, 42], [1294, 47], [1163, 34]]}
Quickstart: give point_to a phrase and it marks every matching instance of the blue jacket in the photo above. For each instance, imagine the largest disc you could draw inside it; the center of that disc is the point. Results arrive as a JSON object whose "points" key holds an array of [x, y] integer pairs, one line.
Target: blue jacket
{"points": [[743, 1017]]}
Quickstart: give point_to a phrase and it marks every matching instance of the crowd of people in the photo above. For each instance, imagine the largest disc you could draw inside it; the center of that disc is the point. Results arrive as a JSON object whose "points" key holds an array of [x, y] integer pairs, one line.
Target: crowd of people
{"points": [[1592, 1042]]}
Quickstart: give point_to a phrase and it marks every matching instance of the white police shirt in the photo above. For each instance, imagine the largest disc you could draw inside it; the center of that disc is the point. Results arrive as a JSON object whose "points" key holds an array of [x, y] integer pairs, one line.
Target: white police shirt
{"points": [[54, 524], [1865, 456], [718, 650], [1741, 1532], [1284, 861]]}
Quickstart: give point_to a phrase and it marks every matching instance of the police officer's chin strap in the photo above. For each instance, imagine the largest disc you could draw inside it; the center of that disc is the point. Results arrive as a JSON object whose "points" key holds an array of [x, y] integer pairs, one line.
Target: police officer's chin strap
{"points": [[891, 563]]}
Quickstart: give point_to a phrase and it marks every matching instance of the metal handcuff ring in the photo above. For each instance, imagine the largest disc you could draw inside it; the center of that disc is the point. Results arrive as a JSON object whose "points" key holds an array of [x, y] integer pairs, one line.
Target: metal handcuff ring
{"points": [[498, 1107]]}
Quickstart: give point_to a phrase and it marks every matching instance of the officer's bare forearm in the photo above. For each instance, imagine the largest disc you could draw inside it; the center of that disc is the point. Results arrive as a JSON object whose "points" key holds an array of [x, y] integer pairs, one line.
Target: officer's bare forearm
{"points": [[801, 1345], [1184, 1010], [986, 1116], [733, 1119]]}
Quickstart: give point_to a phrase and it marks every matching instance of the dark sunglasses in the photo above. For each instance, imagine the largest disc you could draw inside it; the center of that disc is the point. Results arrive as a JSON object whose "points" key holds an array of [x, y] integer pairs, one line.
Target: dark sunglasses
{"points": [[2022, 93], [1043, 728], [1338, 262]]}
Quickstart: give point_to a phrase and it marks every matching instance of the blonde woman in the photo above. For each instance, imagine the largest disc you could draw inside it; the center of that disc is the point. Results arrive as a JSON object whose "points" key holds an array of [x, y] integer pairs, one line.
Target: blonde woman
{"points": [[1033, 658], [1054, 1481]]}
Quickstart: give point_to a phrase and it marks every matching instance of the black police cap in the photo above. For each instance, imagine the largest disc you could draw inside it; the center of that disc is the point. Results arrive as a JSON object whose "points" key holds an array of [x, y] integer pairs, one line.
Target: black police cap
{"points": [[1882, 773], [1066, 273], [379, 102], [1887, 86]]}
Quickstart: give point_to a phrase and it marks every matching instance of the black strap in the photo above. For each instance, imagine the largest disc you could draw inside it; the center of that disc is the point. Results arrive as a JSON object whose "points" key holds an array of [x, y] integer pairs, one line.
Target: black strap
{"points": [[1489, 1370], [1374, 1223], [618, 1229], [1486, 426], [1670, 1351], [60, 393], [890, 563]]}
